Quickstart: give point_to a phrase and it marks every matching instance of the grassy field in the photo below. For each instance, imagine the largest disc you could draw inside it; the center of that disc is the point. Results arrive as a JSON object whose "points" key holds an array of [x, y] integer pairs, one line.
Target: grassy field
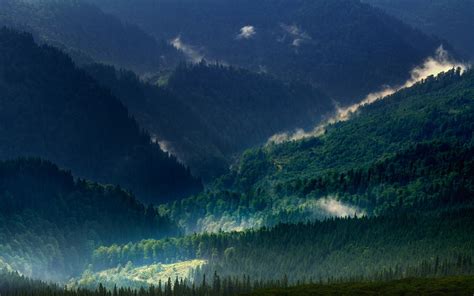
{"points": [[461, 285], [135, 277]]}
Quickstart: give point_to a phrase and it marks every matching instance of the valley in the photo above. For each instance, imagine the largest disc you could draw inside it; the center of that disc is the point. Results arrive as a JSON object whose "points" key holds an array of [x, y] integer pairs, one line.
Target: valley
{"points": [[219, 147]]}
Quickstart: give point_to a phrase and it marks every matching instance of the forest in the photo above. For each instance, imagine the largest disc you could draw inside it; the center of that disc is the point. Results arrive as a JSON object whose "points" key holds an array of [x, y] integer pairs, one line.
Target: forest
{"points": [[220, 147], [55, 111], [222, 110], [408, 158]]}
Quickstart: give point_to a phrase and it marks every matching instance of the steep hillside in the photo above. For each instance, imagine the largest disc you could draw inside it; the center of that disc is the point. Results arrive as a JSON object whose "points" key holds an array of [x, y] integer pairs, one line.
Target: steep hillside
{"points": [[347, 48], [204, 114], [50, 222], [87, 33], [448, 19], [50, 109], [414, 147]]}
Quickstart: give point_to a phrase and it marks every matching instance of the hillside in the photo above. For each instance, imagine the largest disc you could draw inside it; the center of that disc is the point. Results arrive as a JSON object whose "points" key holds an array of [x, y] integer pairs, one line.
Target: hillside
{"points": [[412, 147], [346, 48], [448, 19], [88, 34], [51, 109], [205, 114], [50, 222]]}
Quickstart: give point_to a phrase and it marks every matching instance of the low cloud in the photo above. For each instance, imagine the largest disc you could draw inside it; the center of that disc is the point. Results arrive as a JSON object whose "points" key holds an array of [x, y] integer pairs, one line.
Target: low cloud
{"points": [[192, 54], [247, 32], [432, 66], [298, 36], [300, 209]]}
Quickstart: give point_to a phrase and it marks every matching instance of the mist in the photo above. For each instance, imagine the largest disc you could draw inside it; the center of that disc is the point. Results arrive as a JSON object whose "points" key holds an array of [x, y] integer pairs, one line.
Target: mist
{"points": [[247, 32], [432, 66], [192, 54], [306, 209]]}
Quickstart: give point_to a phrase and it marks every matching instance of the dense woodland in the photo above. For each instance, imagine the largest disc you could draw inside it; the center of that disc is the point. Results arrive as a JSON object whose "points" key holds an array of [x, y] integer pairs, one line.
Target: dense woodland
{"points": [[413, 147], [339, 45], [51, 109], [88, 34], [394, 246], [50, 222], [13, 284], [101, 167], [206, 114]]}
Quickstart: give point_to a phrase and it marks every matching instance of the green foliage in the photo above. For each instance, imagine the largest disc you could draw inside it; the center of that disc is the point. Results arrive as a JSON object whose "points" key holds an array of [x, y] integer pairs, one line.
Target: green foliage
{"points": [[412, 149], [392, 246], [50, 222], [51, 109], [207, 113], [130, 276]]}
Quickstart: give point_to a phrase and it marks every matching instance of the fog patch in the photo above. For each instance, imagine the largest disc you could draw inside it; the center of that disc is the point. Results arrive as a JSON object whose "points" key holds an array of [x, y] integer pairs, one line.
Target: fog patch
{"points": [[336, 208], [294, 210], [297, 35], [190, 52], [432, 66], [247, 32]]}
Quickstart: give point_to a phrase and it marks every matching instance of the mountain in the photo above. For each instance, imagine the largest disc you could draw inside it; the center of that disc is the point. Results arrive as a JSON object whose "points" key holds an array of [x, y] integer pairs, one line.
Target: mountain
{"points": [[412, 149], [448, 19], [88, 34], [346, 48], [205, 114], [387, 194], [51, 221], [51, 109]]}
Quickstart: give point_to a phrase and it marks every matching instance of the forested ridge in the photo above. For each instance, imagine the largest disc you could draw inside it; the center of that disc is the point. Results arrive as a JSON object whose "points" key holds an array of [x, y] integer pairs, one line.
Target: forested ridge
{"points": [[126, 170], [206, 114], [345, 47], [88, 34], [50, 221], [412, 147], [51, 109]]}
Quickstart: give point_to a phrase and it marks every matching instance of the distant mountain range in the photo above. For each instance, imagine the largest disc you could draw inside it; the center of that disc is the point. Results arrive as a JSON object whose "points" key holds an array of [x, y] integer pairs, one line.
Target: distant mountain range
{"points": [[88, 34], [344, 47], [447, 19]]}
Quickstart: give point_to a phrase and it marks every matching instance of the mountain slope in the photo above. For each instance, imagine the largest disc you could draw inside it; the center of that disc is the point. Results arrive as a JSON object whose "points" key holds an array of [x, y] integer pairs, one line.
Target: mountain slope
{"points": [[412, 148], [448, 19], [51, 222], [87, 33], [50, 109], [347, 48], [204, 114]]}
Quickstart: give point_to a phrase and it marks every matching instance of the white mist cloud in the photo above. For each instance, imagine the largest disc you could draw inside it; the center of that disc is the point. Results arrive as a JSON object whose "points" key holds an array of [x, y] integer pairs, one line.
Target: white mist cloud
{"points": [[432, 66], [189, 51], [298, 35], [246, 32], [306, 209], [336, 208]]}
